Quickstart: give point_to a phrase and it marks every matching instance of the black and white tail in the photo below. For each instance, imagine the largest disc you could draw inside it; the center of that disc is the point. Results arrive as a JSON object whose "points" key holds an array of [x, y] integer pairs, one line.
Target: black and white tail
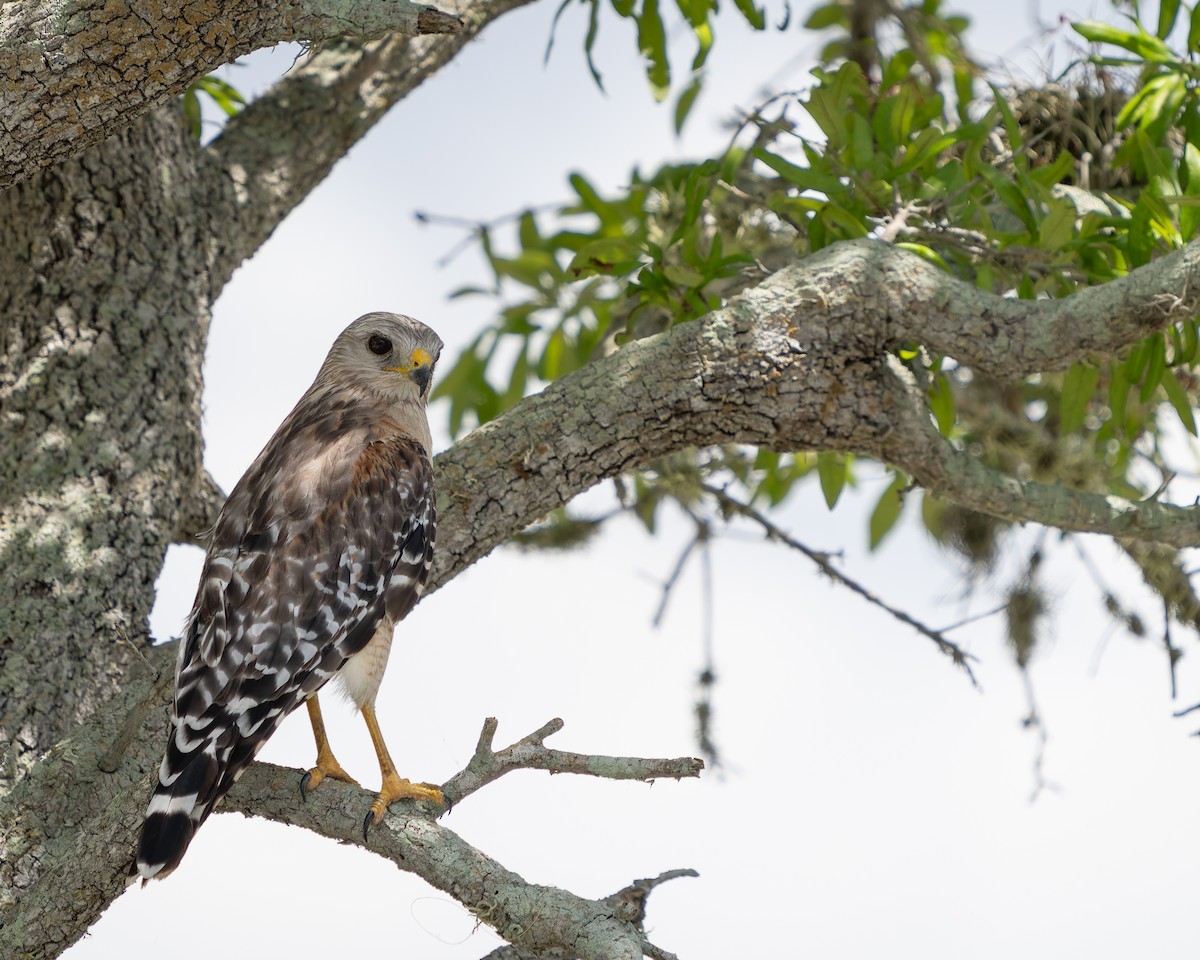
{"points": [[182, 800], [198, 769]]}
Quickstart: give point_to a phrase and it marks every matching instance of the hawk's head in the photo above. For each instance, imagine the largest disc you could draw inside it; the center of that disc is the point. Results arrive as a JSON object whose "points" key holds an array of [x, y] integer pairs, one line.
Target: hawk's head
{"points": [[389, 354]]}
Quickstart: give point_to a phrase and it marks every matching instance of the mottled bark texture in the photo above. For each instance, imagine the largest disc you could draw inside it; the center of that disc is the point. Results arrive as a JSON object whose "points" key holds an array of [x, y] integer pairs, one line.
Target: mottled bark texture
{"points": [[105, 312], [73, 72]]}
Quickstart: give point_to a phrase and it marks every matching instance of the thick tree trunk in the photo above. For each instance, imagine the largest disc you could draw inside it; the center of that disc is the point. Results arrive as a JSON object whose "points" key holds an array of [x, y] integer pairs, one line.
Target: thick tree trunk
{"points": [[105, 295]]}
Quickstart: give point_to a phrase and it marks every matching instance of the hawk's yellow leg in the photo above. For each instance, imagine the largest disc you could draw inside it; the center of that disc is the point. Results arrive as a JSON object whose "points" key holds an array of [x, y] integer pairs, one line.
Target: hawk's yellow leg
{"points": [[327, 765], [394, 786]]}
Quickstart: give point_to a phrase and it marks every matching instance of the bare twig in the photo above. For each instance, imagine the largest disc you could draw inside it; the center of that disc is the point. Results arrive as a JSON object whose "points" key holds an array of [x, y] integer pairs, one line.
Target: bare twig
{"points": [[894, 227], [960, 657], [1033, 721], [531, 753], [1173, 652], [673, 578]]}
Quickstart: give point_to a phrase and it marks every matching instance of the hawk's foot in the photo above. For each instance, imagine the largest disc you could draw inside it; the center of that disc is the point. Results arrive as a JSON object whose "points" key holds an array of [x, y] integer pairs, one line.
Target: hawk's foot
{"points": [[326, 766], [397, 788]]}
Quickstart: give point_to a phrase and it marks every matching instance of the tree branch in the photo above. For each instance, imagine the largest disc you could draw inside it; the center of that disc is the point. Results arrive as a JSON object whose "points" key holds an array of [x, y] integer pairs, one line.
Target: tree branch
{"points": [[75, 72], [535, 919], [1011, 338], [328, 103], [531, 753], [933, 461], [199, 513]]}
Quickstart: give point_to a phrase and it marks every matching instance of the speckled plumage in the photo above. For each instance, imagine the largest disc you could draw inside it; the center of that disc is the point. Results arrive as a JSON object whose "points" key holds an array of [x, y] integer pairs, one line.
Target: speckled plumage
{"points": [[324, 544]]}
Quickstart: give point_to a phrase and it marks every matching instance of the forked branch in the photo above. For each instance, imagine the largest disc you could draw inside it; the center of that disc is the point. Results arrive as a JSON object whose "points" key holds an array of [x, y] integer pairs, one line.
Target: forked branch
{"points": [[537, 920], [531, 753]]}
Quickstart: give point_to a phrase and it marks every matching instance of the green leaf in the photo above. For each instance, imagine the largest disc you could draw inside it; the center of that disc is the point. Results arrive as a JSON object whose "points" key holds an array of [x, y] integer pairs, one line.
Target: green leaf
{"points": [[606, 256], [190, 104], [831, 470], [928, 144], [898, 69], [848, 224], [1058, 226], [590, 42], [527, 231], [1055, 172], [1179, 400], [683, 106], [223, 94], [804, 177], [532, 268], [1140, 43], [925, 252], [1189, 215], [887, 511], [1012, 126], [652, 42], [941, 404], [1009, 194], [1118, 394], [862, 143], [683, 276], [1155, 106], [754, 16], [1168, 10], [830, 15], [550, 364], [1154, 368], [1193, 40], [1078, 387]]}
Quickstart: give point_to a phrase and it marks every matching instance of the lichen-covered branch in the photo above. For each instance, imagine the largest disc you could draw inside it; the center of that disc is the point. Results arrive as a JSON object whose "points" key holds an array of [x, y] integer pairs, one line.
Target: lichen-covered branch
{"points": [[531, 753], [953, 474], [75, 71], [1010, 338], [536, 919], [328, 102]]}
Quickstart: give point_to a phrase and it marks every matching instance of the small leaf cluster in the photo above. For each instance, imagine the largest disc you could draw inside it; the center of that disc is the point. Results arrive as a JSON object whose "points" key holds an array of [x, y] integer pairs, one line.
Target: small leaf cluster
{"points": [[611, 269], [652, 34], [221, 92]]}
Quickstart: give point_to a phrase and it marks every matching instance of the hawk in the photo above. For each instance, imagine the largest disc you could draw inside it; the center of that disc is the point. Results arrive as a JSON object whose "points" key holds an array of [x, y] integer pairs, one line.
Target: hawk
{"points": [[323, 545]]}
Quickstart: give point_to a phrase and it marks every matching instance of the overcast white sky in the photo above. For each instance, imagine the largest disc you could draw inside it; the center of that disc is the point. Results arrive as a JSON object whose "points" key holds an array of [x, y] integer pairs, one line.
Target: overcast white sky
{"points": [[873, 803]]}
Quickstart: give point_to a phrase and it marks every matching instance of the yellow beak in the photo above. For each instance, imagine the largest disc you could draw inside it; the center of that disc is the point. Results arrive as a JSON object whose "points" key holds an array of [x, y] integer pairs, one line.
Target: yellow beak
{"points": [[419, 369]]}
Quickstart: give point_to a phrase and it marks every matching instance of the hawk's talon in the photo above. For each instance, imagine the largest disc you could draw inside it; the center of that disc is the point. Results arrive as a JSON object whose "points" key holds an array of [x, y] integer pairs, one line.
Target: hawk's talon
{"points": [[397, 788], [326, 767]]}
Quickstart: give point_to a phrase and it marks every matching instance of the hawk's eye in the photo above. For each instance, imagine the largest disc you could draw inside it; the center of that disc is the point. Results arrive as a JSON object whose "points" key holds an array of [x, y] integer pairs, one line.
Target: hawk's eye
{"points": [[379, 345]]}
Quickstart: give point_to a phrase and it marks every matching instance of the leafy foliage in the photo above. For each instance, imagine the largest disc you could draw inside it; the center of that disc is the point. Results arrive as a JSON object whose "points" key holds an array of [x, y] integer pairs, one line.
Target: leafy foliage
{"points": [[651, 27], [1028, 193]]}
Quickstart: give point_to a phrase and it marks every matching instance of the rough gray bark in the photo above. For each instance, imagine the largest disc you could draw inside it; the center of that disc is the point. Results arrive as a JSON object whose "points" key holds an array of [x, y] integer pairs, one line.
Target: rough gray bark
{"points": [[76, 71], [103, 332]]}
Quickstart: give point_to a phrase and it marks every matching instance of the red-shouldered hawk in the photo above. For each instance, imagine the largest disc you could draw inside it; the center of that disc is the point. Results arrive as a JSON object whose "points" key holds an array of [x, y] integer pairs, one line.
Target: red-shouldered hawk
{"points": [[323, 545]]}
